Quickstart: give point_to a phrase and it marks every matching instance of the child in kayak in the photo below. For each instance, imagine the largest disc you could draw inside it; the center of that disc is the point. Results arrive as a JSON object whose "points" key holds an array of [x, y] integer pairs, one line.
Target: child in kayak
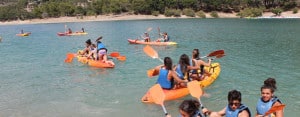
{"points": [[87, 48], [167, 77], [199, 73], [183, 67], [102, 52], [146, 37]]}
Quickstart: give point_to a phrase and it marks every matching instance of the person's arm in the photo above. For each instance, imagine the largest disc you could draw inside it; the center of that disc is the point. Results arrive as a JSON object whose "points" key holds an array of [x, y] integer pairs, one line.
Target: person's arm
{"points": [[177, 79], [218, 114], [157, 68], [193, 67], [200, 62], [244, 113], [280, 112]]}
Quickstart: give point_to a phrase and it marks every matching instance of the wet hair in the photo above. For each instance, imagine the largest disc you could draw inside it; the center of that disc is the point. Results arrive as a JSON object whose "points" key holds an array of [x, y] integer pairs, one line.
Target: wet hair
{"points": [[184, 61], [269, 83], [190, 106], [234, 95], [168, 63], [89, 42], [197, 53], [94, 45]]}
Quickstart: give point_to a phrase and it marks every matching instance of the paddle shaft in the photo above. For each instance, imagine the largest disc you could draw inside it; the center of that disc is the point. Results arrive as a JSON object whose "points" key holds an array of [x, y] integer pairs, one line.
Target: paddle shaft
{"points": [[164, 108]]}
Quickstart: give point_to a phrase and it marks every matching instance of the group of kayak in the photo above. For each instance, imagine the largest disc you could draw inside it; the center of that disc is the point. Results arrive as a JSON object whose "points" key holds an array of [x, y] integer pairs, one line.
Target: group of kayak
{"points": [[66, 33], [70, 33], [95, 55]]}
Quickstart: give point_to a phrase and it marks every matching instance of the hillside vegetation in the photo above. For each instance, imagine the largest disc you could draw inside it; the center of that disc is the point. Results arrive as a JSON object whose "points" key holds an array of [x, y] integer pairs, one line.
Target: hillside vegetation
{"points": [[29, 9]]}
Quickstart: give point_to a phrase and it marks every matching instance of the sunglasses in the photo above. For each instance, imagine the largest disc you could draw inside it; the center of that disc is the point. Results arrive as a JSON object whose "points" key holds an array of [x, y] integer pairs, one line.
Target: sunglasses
{"points": [[236, 104]]}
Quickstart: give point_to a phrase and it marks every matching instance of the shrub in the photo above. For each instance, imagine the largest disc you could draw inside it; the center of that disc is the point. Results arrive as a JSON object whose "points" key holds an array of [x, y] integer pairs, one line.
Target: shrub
{"points": [[188, 12], [250, 12], [169, 12], [172, 12], [177, 13], [214, 14], [295, 10], [277, 11], [201, 14], [155, 13]]}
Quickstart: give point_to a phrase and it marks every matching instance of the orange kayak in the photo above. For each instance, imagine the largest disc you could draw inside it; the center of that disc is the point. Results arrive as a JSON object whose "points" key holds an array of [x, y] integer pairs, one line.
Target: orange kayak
{"points": [[94, 63], [136, 41], [173, 94]]}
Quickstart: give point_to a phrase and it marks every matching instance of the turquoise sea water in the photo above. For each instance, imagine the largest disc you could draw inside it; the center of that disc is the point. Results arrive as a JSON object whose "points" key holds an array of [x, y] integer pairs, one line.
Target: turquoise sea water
{"points": [[35, 81]]}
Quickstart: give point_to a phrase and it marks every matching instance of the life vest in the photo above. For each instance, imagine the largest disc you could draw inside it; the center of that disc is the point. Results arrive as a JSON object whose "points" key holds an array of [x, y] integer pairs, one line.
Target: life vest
{"points": [[234, 113], [100, 46], [163, 79], [179, 73], [262, 107], [167, 39]]}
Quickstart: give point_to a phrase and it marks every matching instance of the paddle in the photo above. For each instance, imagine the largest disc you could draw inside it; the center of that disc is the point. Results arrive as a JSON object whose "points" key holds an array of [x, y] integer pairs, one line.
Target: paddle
{"points": [[196, 91], [214, 53], [118, 56], [152, 72], [151, 52], [158, 96], [158, 32], [70, 57], [121, 58], [275, 108], [114, 54]]}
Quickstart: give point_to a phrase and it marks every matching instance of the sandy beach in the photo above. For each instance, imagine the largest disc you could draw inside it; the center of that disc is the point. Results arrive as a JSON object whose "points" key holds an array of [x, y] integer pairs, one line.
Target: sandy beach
{"points": [[125, 16]]}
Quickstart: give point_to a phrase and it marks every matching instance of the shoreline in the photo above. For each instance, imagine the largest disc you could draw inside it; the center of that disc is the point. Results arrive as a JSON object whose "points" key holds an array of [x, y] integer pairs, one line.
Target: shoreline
{"points": [[126, 16]]}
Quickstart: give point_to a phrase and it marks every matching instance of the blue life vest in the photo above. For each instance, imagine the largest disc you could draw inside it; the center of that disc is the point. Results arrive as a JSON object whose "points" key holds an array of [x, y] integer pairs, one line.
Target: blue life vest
{"points": [[235, 113], [163, 79], [262, 107], [179, 72], [100, 46]]}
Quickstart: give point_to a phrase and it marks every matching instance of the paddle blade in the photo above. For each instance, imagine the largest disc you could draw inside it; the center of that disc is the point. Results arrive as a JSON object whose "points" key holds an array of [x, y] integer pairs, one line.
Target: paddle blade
{"points": [[215, 53], [157, 94], [149, 29], [114, 54], [220, 55], [70, 57], [275, 108], [195, 89], [152, 72], [121, 58], [150, 51]]}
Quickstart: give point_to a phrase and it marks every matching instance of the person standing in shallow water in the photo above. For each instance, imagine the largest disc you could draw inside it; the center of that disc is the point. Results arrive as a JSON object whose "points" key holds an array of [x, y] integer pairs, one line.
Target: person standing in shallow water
{"points": [[268, 99], [235, 108]]}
